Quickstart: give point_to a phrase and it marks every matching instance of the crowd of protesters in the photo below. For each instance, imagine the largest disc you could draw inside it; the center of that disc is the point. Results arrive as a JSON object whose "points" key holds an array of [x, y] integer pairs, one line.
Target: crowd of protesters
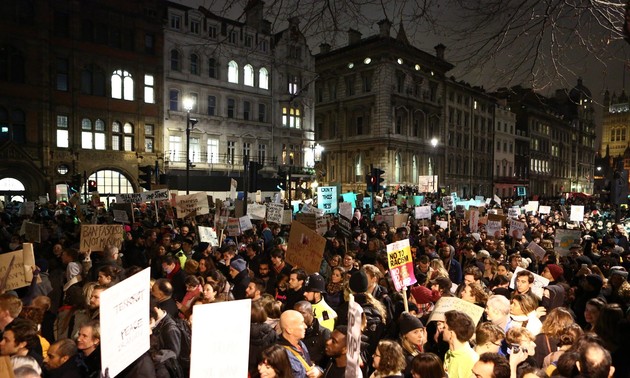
{"points": [[578, 327]]}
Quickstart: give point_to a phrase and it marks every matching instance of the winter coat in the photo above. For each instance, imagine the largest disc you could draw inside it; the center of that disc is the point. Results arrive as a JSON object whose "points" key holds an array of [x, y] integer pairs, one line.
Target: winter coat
{"points": [[261, 336]]}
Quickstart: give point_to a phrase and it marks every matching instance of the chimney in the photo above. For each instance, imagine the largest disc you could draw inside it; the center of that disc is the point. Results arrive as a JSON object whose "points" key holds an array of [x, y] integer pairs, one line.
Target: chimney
{"points": [[354, 36], [439, 51], [384, 27], [324, 48]]}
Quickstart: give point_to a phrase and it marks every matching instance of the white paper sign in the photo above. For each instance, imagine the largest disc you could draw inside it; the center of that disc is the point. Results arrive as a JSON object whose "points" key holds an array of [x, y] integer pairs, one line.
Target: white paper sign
{"points": [[391, 210], [442, 224], [345, 209], [287, 216], [124, 316], [474, 220], [226, 321], [531, 207], [539, 284], [423, 212], [577, 213], [517, 229], [208, 235], [497, 200], [327, 199], [245, 223], [544, 209], [274, 213], [151, 195], [256, 211], [353, 338]]}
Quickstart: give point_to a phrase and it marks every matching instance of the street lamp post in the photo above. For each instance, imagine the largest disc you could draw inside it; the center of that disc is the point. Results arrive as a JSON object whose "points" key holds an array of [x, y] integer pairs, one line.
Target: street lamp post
{"points": [[189, 102], [434, 143]]}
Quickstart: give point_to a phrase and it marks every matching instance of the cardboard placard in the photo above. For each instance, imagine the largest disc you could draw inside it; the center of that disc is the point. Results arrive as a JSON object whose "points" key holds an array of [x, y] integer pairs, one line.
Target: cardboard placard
{"points": [[274, 213], [21, 273], [191, 205], [97, 236], [446, 304], [233, 227], [305, 248]]}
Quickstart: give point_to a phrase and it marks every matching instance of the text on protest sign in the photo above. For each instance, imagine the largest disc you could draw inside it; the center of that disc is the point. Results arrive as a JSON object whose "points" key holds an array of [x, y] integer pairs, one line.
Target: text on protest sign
{"points": [[208, 235], [245, 223], [305, 248], [256, 211], [537, 287], [151, 195], [226, 321], [233, 227], [400, 264], [124, 313], [391, 210], [97, 236], [21, 273], [564, 239], [423, 212], [274, 213], [536, 250], [327, 199], [353, 338], [446, 304], [517, 229], [194, 203], [33, 232]]}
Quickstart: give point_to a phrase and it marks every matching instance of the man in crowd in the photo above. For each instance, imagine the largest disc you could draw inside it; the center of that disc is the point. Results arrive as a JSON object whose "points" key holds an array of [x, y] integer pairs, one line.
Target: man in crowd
{"points": [[174, 273], [293, 331], [62, 360], [10, 308], [296, 288], [255, 289], [20, 339], [162, 291], [316, 335], [336, 348], [524, 282], [491, 365], [460, 358], [89, 345]]}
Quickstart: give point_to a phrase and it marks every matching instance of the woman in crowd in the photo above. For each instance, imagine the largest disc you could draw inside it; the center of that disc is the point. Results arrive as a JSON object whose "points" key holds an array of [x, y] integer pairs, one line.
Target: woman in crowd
{"points": [[523, 313], [566, 338], [591, 312], [427, 365], [547, 340], [334, 289], [412, 337], [490, 271], [437, 269], [261, 335], [503, 269], [109, 275], [274, 363], [193, 290], [388, 360]]}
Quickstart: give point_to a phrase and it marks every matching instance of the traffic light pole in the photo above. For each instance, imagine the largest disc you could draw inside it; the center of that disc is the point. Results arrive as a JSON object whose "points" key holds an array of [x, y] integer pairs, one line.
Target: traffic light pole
{"points": [[188, 152]]}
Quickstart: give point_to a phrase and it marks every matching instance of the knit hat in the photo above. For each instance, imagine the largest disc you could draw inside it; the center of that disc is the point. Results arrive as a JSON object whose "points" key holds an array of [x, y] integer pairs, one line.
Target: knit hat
{"points": [[315, 283], [424, 295], [358, 282], [595, 280], [620, 270], [239, 265], [408, 322], [555, 270]]}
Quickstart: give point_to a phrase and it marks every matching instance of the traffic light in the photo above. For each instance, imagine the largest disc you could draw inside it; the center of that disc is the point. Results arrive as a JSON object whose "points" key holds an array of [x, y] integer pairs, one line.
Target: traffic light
{"points": [[282, 180], [377, 180], [252, 183], [75, 185], [92, 187], [147, 172]]}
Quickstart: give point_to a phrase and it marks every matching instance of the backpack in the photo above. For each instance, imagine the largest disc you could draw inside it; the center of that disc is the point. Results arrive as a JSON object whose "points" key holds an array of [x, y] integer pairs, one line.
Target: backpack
{"points": [[186, 344]]}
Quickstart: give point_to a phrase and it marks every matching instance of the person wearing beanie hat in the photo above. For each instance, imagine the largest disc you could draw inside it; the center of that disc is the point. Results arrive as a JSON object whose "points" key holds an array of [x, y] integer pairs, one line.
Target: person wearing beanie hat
{"points": [[240, 278], [553, 272], [358, 282], [425, 298], [618, 287], [325, 315], [412, 337]]}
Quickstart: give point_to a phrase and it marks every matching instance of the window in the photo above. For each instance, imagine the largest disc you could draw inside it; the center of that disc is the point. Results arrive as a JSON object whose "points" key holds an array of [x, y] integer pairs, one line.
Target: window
{"points": [[175, 145], [148, 138], [175, 60], [212, 105], [249, 40], [233, 37], [63, 137], [11, 64], [400, 82], [231, 148], [86, 134], [359, 125], [14, 127], [93, 81], [246, 149], [149, 91], [212, 68], [61, 26], [263, 78], [262, 113], [212, 31], [213, 151], [149, 43], [350, 86], [122, 85], [194, 26], [264, 45], [194, 154], [173, 100], [246, 110], [292, 84], [195, 103], [194, 64], [366, 82], [291, 118], [122, 137], [233, 72], [231, 107], [175, 21], [62, 74], [248, 75], [262, 153]]}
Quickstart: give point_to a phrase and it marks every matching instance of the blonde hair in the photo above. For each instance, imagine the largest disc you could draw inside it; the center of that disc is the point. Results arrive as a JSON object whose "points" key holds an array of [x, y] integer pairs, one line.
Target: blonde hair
{"points": [[557, 321]]}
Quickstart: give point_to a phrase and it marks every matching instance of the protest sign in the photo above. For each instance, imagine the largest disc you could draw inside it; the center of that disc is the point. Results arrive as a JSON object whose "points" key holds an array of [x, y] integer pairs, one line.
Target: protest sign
{"points": [[327, 199], [96, 237], [448, 203], [400, 264], [208, 235], [423, 212], [226, 321], [391, 210], [305, 248], [577, 213], [442, 224], [307, 219], [446, 304], [474, 220], [193, 204], [26, 208], [33, 232], [564, 239], [531, 207], [517, 229], [43, 199], [345, 209], [400, 220], [537, 250], [321, 225], [344, 226], [287, 217], [151, 195], [221, 222], [427, 184], [120, 216], [256, 211], [124, 317], [233, 227], [21, 271], [544, 209], [350, 198], [417, 200], [274, 213], [537, 287], [514, 212], [497, 199], [353, 340], [245, 223]]}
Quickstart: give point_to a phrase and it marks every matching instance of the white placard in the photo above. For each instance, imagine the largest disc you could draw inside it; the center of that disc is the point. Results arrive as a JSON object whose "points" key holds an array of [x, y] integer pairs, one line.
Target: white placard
{"points": [[391, 210], [353, 338], [442, 224], [274, 213], [124, 316], [531, 207], [514, 212], [423, 212], [256, 211], [194, 203], [208, 235], [517, 229], [497, 200], [544, 209], [537, 250], [151, 195], [321, 225], [445, 304], [287, 216], [245, 223], [345, 209], [577, 213], [537, 287], [327, 199], [226, 321]]}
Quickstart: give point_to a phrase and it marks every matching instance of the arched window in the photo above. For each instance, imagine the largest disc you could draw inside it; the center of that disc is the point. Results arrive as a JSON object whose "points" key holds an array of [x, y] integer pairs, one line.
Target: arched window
{"points": [[93, 80], [11, 64], [248, 75], [122, 85], [263, 78], [194, 64], [175, 60], [233, 72], [212, 68], [397, 169], [122, 136]]}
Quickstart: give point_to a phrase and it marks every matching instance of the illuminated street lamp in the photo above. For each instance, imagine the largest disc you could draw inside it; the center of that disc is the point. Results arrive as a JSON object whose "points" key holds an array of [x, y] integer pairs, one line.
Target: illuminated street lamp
{"points": [[189, 103], [434, 143]]}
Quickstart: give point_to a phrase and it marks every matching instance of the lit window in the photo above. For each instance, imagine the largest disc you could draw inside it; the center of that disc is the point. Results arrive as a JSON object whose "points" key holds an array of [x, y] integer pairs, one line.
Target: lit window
{"points": [[175, 148], [263, 78], [63, 140], [233, 72], [86, 134], [122, 85], [213, 151], [291, 117], [248, 78], [149, 91]]}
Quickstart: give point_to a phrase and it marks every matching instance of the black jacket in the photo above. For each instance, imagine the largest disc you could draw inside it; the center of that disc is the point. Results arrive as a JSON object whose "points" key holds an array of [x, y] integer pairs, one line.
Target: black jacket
{"points": [[166, 335], [261, 335], [315, 340], [73, 368]]}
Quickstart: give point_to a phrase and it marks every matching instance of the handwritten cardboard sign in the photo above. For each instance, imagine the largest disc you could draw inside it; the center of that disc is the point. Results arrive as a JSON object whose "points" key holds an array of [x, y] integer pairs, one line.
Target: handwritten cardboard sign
{"points": [[21, 273], [151, 195], [193, 204], [274, 213], [305, 248], [446, 304], [124, 313], [97, 236]]}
